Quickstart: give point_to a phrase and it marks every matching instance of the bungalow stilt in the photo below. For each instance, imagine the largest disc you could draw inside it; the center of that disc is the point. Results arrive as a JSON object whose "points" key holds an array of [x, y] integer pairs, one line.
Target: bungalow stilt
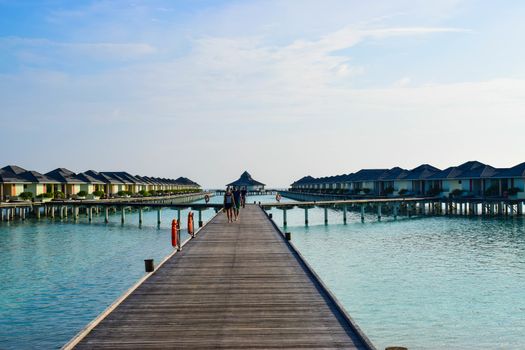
{"points": [[306, 216]]}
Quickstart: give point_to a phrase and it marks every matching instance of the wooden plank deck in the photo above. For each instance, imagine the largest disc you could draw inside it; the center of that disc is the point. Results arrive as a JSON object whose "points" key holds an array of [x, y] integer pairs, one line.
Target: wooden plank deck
{"points": [[235, 286]]}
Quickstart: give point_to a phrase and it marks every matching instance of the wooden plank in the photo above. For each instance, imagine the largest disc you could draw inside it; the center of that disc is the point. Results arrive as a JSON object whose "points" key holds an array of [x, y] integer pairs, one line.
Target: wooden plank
{"points": [[234, 286]]}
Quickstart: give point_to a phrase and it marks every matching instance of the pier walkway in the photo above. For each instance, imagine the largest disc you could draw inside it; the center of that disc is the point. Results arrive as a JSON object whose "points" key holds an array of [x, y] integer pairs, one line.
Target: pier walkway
{"points": [[234, 286]]}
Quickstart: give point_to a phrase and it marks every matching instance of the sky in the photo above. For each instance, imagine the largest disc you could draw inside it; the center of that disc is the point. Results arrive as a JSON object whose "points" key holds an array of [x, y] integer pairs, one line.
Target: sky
{"points": [[281, 88]]}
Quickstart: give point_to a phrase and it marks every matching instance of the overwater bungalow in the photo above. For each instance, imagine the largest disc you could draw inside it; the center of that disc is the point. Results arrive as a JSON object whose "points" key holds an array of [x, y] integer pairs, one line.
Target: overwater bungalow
{"points": [[11, 183], [248, 182], [473, 179], [38, 183], [15, 180], [509, 182], [129, 182], [67, 182], [366, 181], [420, 184], [394, 181], [149, 183], [118, 182], [111, 185], [160, 185], [91, 184], [184, 182], [303, 183]]}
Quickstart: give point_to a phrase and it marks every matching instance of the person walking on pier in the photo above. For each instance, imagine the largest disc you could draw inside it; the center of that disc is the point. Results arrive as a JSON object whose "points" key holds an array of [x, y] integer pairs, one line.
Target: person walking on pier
{"points": [[237, 199], [229, 203], [243, 196]]}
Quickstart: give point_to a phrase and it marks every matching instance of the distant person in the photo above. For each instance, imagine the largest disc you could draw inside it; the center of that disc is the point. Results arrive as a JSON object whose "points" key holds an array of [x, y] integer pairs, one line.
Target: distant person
{"points": [[229, 202], [243, 196], [237, 198]]}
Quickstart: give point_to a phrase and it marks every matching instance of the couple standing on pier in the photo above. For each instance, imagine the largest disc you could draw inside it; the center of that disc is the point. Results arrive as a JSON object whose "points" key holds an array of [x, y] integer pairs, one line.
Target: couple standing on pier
{"points": [[233, 200]]}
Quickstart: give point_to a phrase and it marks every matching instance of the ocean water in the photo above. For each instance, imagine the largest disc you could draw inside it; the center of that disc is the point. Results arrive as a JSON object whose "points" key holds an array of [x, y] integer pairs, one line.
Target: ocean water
{"points": [[425, 283]]}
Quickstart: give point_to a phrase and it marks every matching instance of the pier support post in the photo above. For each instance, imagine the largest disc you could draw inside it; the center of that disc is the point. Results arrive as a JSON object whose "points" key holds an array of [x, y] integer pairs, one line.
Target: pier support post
{"points": [[520, 208], [76, 213], [379, 212], [61, 210], [325, 215], [200, 218], [500, 208], [123, 214], [53, 212], [159, 216], [395, 211], [37, 212], [362, 213], [284, 218], [178, 214], [140, 216], [90, 213], [1, 214], [306, 216], [344, 214], [106, 216]]}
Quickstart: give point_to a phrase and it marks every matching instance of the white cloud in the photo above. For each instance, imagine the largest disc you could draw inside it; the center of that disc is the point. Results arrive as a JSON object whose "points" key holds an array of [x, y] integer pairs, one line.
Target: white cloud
{"points": [[403, 82]]}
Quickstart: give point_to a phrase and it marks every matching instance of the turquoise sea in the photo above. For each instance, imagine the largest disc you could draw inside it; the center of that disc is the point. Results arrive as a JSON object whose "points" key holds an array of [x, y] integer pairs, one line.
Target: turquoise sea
{"points": [[425, 283]]}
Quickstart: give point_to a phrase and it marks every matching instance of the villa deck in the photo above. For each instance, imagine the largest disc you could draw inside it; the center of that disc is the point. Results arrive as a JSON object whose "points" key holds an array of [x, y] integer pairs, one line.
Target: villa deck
{"points": [[235, 286]]}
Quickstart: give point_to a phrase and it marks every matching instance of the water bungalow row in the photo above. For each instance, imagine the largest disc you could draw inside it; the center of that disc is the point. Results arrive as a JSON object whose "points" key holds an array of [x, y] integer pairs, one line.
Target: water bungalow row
{"points": [[19, 183], [470, 179]]}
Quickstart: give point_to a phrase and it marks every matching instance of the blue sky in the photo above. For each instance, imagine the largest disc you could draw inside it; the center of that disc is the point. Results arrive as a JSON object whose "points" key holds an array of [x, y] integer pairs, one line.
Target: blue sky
{"points": [[207, 89]]}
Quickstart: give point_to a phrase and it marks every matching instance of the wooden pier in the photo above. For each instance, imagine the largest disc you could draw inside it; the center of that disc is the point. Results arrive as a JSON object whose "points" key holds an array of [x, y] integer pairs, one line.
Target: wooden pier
{"points": [[62, 208], [411, 206], [234, 286]]}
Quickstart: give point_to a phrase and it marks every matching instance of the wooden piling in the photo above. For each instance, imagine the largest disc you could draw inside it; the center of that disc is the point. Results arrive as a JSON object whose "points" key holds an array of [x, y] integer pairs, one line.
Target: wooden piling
{"points": [[395, 210], [306, 216]]}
